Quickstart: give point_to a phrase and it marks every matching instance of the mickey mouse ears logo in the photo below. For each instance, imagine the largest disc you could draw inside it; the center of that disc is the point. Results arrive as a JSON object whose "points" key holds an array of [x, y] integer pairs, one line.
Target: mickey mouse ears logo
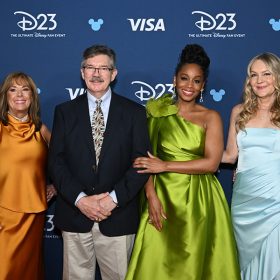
{"points": [[95, 25], [217, 95], [275, 24]]}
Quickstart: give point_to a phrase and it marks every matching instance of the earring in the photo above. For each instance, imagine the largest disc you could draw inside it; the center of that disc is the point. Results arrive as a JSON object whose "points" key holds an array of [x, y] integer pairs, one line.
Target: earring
{"points": [[201, 96]]}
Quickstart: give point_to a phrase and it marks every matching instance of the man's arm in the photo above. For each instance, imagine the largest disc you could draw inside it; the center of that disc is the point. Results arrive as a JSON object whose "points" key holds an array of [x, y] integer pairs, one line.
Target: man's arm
{"points": [[67, 185], [130, 185], [65, 182]]}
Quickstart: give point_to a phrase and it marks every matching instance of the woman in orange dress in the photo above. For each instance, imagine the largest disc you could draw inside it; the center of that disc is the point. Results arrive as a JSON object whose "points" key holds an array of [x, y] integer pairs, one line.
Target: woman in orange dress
{"points": [[23, 193]]}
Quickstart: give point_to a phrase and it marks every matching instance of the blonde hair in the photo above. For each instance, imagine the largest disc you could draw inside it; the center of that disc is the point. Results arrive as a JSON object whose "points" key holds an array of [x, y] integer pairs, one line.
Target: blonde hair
{"points": [[34, 109], [250, 101]]}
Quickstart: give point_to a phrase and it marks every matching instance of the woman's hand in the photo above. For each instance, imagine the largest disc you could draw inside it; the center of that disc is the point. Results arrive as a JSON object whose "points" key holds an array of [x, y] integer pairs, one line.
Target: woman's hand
{"points": [[149, 164], [50, 191], [156, 212]]}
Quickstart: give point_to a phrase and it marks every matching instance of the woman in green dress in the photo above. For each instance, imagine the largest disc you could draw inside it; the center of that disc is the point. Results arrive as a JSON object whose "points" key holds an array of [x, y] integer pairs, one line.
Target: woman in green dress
{"points": [[185, 230]]}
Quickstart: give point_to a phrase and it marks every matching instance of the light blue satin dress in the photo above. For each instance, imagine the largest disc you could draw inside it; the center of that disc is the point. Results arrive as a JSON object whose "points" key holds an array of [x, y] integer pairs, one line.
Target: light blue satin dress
{"points": [[256, 203]]}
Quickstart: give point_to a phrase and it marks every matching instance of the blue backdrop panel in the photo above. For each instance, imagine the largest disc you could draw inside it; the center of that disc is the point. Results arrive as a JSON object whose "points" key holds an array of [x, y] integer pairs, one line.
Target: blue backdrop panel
{"points": [[46, 39]]}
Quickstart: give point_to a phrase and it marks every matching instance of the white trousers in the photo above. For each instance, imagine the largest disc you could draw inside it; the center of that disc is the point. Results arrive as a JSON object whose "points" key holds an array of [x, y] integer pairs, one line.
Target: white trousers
{"points": [[82, 250]]}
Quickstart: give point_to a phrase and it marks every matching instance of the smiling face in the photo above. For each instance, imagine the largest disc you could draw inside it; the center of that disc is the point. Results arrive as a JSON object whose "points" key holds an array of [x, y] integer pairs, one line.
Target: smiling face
{"points": [[98, 73], [189, 82], [19, 98], [262, 80]]}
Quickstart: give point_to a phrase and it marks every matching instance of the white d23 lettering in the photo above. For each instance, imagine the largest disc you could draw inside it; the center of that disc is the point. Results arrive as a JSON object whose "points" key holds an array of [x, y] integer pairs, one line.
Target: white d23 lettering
{"points": [[41, 22], [49, 225], [147, 92], [220, 22]]}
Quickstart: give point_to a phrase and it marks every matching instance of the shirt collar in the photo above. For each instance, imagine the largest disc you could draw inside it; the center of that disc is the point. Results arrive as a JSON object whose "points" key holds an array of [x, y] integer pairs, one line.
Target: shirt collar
{"points": [[106, 98]]}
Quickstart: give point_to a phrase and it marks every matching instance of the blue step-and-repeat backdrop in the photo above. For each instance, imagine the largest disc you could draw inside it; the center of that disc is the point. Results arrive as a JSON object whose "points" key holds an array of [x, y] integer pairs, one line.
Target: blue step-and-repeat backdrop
{"points": [[46, 39]]}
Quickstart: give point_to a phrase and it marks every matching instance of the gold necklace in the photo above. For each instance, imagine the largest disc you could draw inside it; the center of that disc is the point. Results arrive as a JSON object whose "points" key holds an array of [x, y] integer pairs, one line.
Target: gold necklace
{"points": [[23, 119]]}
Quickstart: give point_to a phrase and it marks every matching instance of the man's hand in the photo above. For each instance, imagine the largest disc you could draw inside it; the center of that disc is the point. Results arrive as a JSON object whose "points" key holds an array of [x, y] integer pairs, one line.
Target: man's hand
{"points": [[50, 192], [107, 203], [92, 208]]}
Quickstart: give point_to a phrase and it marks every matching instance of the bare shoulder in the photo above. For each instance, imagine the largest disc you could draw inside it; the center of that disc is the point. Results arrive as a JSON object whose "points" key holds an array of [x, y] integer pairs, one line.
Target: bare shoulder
{"points": [[211, 115], [45, 133], [236, 110], [44, 128]]}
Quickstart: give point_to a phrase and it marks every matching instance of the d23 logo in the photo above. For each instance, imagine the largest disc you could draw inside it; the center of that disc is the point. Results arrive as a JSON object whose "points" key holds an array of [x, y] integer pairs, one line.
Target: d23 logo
{"points": [[49, 224], [219, 22], [146, 91], [41, 22]]}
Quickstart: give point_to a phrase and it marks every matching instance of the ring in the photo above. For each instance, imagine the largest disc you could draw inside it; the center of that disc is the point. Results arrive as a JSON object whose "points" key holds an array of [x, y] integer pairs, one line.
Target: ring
{"points": [[150, 221]]}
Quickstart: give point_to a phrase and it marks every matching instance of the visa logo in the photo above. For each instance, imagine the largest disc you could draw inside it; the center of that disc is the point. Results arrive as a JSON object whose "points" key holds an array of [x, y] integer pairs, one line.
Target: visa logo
{"points": [[73, 93], [143, 24]]}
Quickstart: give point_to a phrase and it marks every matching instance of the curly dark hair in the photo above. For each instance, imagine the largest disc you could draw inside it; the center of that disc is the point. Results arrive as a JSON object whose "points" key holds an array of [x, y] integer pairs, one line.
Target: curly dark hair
{"points": [[194, 54]]}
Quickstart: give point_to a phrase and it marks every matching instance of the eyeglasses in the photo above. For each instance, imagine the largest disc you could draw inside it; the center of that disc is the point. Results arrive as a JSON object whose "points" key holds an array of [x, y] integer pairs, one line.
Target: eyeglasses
{"points": [[103, 69]]}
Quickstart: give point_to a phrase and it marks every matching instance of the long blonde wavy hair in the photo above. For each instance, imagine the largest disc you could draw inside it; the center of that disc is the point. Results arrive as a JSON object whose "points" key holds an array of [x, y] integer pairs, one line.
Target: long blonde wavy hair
{"points": [[250, 101]]}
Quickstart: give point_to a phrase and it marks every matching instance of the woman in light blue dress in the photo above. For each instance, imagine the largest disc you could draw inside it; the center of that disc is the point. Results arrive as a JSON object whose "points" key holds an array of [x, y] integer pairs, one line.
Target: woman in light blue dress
{"points": [[254, 139]]}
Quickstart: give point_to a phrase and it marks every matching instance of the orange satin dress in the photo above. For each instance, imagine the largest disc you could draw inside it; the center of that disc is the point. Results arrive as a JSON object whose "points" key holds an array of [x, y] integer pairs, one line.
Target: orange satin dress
{"points": [[23, 158]]}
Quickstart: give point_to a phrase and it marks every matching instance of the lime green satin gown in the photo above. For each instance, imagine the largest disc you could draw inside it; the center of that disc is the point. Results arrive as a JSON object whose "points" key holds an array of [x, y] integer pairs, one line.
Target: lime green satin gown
{"points": [[196, 242]]}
